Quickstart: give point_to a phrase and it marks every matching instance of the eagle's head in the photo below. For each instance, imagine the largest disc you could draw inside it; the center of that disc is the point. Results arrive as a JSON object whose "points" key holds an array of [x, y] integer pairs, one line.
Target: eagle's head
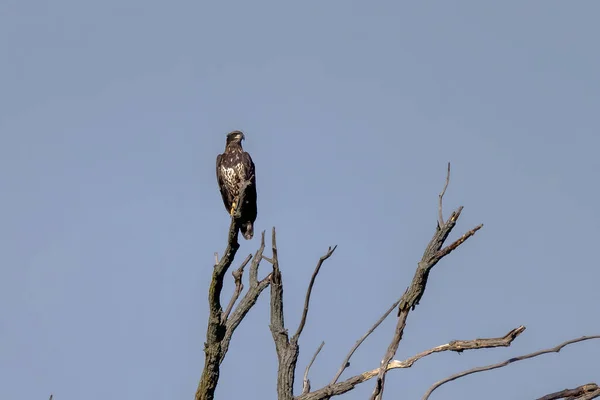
{"points": [[235, 137]]}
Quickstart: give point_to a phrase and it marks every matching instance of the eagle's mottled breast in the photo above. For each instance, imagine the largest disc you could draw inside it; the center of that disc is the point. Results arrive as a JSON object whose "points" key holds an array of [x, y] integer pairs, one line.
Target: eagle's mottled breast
{"points": [[233, 171]]}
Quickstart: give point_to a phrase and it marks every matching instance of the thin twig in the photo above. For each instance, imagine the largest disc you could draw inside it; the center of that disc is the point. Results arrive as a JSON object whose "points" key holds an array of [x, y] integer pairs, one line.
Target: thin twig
{"points": [[441, 198], [309, 291], [582, 392], [287, 347], [216, 257], [490, 367], [239, 286], [306, 381], [459, 346], [346, 362]]}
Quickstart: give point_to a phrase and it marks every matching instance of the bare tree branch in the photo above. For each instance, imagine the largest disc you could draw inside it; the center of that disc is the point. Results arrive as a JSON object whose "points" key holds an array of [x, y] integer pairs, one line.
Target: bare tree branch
{"points": [[456, 345], [309, 292], [306, 381], [583, 392], [441, 198], [216, 328], [249, 299], [346, 362], [461, 345], [247, 302], [287, 351], [239, 286], [432, 255], [555, 349]]}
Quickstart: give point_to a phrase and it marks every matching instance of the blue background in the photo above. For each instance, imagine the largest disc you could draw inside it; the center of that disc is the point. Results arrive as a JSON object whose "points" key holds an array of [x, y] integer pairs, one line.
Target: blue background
{"points": [[112, 114]]}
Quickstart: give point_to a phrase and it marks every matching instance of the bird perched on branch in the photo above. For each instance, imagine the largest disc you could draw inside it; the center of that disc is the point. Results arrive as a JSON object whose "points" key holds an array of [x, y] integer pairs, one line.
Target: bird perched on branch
{"points": [[234, 167]]}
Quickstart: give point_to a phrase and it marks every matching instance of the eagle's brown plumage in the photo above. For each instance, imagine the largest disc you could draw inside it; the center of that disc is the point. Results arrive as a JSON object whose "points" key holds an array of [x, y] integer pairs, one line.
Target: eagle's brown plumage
{"points": [[235, 166]]}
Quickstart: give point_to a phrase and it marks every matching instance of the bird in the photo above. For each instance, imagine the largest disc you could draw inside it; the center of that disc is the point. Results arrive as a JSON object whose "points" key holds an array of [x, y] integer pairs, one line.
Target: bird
{"points": [[234, 167]]}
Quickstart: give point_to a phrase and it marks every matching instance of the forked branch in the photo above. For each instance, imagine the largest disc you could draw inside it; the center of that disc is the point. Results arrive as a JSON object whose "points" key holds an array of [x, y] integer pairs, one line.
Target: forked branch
{"points": [[434, 252], [287, 348], [249, 299], [239, 286]]}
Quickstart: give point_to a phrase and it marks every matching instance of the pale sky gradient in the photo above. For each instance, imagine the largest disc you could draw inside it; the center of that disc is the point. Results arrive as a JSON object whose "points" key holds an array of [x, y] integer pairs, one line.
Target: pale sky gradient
{"points": [[112, 114]]}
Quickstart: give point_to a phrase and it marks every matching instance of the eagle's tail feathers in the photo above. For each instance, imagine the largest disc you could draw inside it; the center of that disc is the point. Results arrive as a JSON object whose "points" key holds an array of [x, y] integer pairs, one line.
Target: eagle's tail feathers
{"points": [[247, 230]]}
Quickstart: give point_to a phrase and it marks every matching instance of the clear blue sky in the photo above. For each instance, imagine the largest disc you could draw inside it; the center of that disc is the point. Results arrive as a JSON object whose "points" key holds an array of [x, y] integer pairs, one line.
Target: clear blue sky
{"points": [[112, 114]]}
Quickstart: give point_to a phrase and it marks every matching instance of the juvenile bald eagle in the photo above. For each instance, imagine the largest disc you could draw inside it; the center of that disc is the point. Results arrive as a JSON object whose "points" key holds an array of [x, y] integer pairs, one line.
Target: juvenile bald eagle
{"points": [[234, 167]]}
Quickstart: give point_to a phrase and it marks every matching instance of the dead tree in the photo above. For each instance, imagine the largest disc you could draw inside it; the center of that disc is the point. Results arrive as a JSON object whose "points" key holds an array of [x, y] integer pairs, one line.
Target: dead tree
{"points": [[223, 323]]}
